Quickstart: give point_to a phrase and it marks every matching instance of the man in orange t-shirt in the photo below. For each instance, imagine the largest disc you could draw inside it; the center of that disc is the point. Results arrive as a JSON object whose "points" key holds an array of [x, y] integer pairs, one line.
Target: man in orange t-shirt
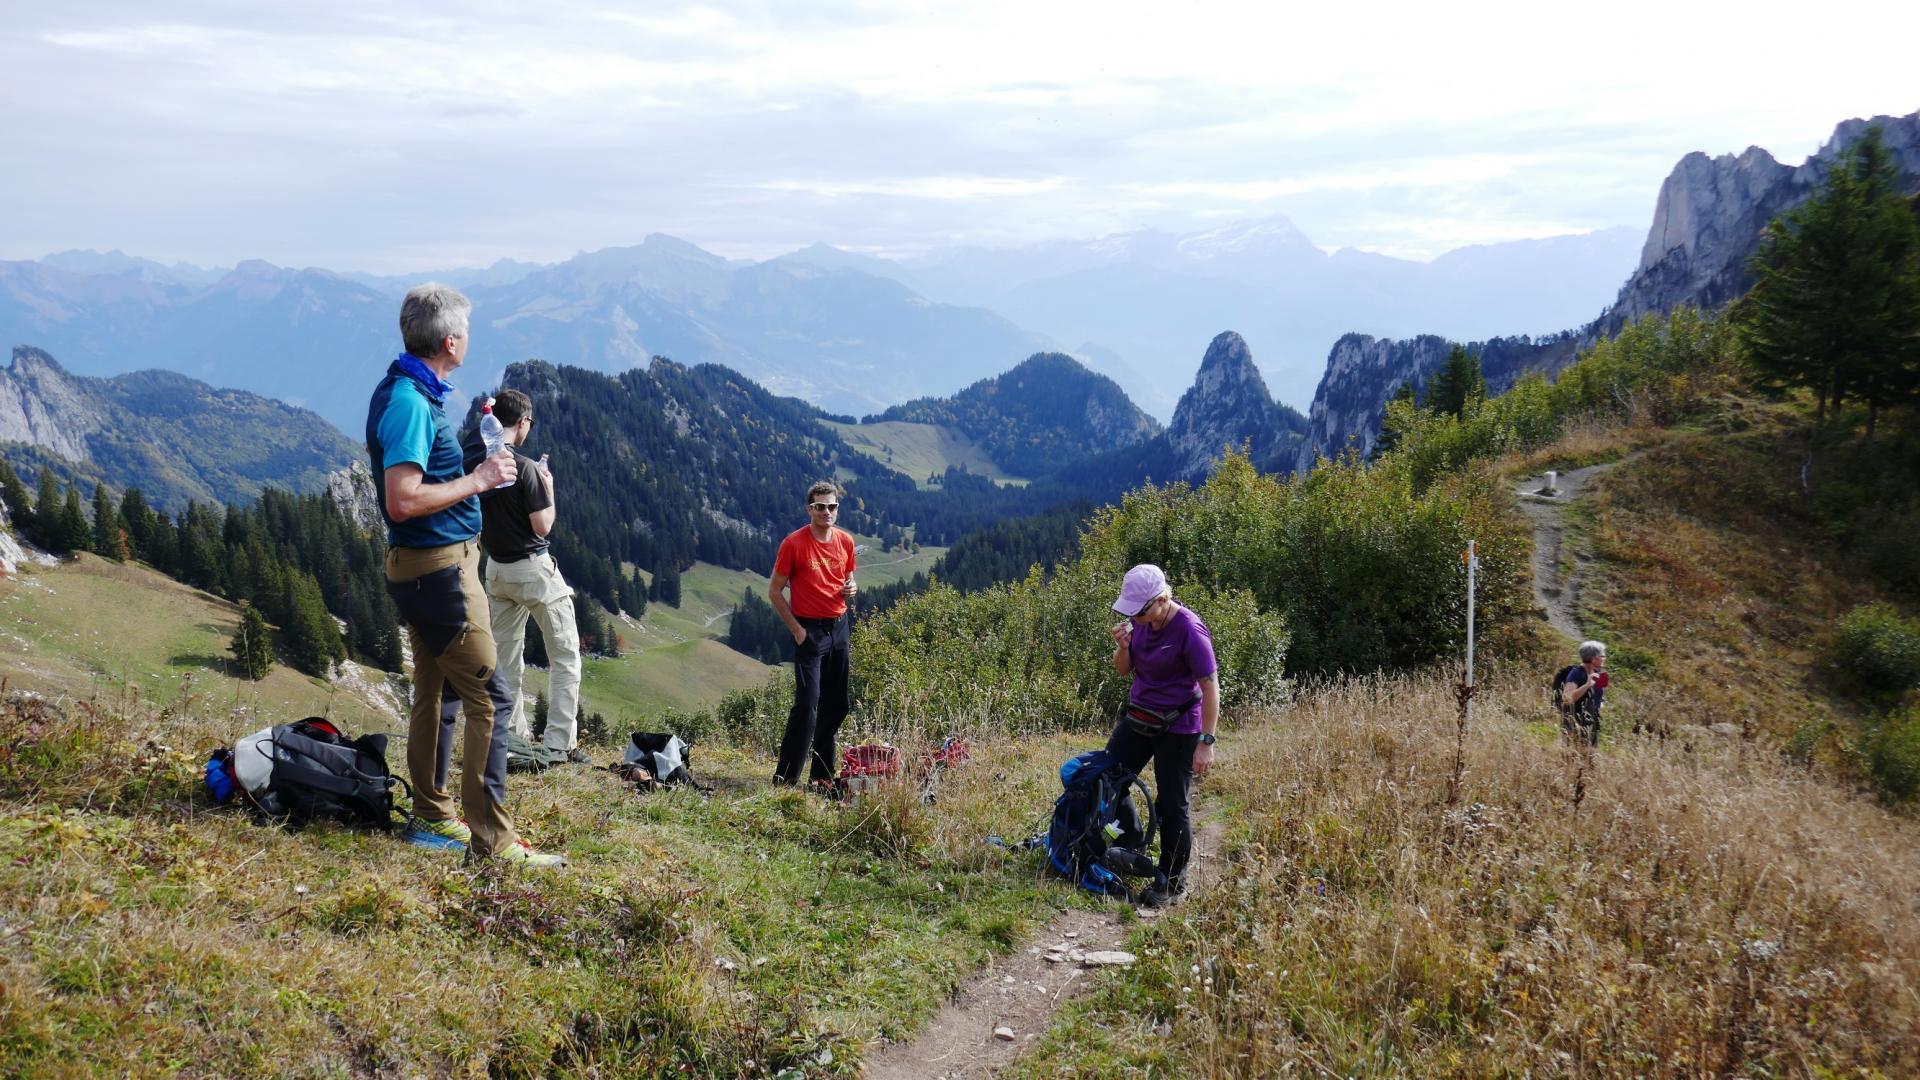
{"points": [[815, 566]]}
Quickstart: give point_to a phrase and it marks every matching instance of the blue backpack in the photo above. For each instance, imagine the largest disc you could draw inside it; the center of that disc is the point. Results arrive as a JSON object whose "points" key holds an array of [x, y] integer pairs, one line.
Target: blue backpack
{"points": [[1095, 833]]}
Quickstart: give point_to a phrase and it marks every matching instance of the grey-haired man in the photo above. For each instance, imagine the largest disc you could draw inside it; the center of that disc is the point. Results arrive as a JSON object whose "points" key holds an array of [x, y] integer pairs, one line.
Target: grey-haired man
{"points": [[431, 506]]}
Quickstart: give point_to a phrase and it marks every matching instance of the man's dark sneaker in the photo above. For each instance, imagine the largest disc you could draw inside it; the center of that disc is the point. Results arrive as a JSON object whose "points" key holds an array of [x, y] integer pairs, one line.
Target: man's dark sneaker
{"points": [[577, 756], [1158, 894]]}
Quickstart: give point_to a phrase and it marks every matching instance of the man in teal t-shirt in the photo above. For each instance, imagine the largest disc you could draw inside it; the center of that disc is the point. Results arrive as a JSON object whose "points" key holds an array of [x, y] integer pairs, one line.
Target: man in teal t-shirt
{"points": [[432, 511]]}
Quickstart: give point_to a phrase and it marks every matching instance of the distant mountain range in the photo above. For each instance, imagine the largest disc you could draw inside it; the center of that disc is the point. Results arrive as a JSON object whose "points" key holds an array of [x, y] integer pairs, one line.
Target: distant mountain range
{"points": [[849, 333], [1708, 220], [170, 436], [845, 340], [1132, 303]]}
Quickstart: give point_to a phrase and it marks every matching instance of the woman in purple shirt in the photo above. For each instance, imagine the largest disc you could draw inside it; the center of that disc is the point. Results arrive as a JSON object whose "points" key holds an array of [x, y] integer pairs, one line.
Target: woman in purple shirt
{"points": [[1172, 711]]}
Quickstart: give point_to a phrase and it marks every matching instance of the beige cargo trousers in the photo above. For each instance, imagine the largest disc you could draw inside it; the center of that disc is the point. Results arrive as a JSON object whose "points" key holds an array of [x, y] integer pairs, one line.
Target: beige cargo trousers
{"points": [[438, 593], [532, 587]]}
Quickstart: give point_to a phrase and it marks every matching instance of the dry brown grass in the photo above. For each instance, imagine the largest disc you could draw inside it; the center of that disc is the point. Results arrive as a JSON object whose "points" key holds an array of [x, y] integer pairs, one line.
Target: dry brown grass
{"points": [[1709, 592], [1707, 911]]}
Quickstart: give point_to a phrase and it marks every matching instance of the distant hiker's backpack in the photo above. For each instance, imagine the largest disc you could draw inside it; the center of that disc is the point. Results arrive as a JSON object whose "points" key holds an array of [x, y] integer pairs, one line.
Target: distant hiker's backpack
{"points": [[665, 755], [310, 771], [524, 756], [1558, 686], [1094, 835]]}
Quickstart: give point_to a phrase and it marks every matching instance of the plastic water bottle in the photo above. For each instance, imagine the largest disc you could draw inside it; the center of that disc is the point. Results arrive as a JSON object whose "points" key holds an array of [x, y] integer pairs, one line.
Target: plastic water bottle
{"points": [[492, 434]]}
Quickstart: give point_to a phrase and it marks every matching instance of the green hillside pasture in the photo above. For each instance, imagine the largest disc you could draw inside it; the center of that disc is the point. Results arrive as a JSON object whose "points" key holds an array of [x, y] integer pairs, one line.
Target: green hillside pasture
{"points": [[674, 657], [879, 567], [677, 657], [756, 932], [921, 450], [91, 627]]}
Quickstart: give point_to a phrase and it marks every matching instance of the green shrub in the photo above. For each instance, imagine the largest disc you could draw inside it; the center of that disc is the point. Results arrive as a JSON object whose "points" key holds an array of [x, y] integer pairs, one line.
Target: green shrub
{"points": [[1366, 571], [1035, 655], [1893, 754], [1664, 364], [1876, 652]]}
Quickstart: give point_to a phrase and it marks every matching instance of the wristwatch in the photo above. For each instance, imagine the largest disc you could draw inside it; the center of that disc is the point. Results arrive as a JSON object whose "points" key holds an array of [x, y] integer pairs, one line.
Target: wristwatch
{"points": [[1207, 739]]}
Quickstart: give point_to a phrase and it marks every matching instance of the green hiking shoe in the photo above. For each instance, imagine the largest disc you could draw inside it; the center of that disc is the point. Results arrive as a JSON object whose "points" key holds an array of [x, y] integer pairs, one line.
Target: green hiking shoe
{"points": [[521, 854], [447, 832]]}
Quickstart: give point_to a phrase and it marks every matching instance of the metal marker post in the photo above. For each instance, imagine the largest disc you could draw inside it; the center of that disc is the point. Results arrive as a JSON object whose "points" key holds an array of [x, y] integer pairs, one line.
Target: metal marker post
{"points": [[1465, 690], [1473, 567]]}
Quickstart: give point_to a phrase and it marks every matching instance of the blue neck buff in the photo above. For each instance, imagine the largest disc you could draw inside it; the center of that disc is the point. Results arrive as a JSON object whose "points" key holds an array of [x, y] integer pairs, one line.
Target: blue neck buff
{"points": [[418, 368]]}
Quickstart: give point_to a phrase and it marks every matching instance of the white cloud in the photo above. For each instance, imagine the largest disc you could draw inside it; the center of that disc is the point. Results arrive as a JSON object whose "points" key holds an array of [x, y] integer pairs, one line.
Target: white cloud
{"points": [[341, 136]]}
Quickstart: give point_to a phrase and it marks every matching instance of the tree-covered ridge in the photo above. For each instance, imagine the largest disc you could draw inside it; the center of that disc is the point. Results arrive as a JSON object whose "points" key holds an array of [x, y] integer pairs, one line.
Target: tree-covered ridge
{"points": [[1042, 414], [299, 559], [658, 467]]}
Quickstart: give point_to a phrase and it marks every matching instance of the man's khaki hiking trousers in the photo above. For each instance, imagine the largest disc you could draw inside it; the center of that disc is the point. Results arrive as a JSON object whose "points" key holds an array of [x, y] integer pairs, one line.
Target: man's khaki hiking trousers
{"points": [[532, 587], [440, 599]]}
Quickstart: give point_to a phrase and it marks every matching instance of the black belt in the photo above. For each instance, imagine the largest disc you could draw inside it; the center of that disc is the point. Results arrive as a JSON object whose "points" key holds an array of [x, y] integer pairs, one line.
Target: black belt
{"points": [[521, 557]]}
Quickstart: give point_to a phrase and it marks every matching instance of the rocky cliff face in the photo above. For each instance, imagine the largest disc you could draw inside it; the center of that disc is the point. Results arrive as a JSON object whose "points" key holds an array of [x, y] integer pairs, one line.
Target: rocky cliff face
{"points": [[1228, 405], [1706, 224], [351, 489], [1711, 213], [172, 437], [42, 405], [1363, 374]]}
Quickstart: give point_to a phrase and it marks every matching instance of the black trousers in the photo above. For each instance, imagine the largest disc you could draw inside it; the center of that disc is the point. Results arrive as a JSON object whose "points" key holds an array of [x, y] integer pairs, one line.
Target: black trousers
{"points": [[1172, 787], [822, 665]]}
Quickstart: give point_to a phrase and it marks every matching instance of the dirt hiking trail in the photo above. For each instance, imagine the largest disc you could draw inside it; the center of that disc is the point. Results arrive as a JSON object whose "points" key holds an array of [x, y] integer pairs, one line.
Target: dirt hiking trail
{"points": [[1557, 585], [1024, 989]]}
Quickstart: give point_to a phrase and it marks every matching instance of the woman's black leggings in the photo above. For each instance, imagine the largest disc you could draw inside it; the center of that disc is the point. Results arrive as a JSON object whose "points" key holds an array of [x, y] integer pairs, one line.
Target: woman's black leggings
{"points": [[1172, 782]]}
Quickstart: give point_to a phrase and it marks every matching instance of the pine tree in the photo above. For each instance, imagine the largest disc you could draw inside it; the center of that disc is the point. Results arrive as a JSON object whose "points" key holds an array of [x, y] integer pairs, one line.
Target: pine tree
{"points": [[1835, 306], [14, 494], [252, 645], [45, 523], [136, 518], [75, 533], [1403, 399], [1458, 382], [109, 541], [313, 638]]}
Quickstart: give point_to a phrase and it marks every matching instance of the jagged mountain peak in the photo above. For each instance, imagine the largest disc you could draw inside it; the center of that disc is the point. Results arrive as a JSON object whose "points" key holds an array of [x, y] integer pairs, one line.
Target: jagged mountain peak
{"points": [[1228, 405]]}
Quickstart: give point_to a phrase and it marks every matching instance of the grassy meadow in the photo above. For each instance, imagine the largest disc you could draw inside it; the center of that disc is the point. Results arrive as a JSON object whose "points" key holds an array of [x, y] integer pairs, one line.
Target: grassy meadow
{"points": [[921, 450], [91, 628], [756, 932]]}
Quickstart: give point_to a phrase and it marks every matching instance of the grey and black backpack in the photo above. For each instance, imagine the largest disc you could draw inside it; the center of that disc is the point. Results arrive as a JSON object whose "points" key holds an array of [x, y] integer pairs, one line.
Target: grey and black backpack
{"points": [[310, 771]]}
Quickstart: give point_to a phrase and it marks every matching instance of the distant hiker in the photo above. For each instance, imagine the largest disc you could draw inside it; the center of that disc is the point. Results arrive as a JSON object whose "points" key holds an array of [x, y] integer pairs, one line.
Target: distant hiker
{"points": [[523, 580], [1172, 713], [432, 511], [1583, 690], [815, 565]]}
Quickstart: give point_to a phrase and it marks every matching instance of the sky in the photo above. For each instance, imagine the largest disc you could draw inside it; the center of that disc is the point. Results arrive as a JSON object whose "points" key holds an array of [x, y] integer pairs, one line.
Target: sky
{"points": [[398, 137]]}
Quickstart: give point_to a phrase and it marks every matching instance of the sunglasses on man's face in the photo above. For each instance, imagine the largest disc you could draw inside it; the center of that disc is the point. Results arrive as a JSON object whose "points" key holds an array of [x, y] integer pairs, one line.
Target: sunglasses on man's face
{"points": [[825, 508]]}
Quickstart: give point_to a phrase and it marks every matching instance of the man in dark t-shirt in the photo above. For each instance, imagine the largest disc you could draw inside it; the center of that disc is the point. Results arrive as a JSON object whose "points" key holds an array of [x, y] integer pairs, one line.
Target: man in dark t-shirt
{"points": [[1583, 693], [523, 581]]}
